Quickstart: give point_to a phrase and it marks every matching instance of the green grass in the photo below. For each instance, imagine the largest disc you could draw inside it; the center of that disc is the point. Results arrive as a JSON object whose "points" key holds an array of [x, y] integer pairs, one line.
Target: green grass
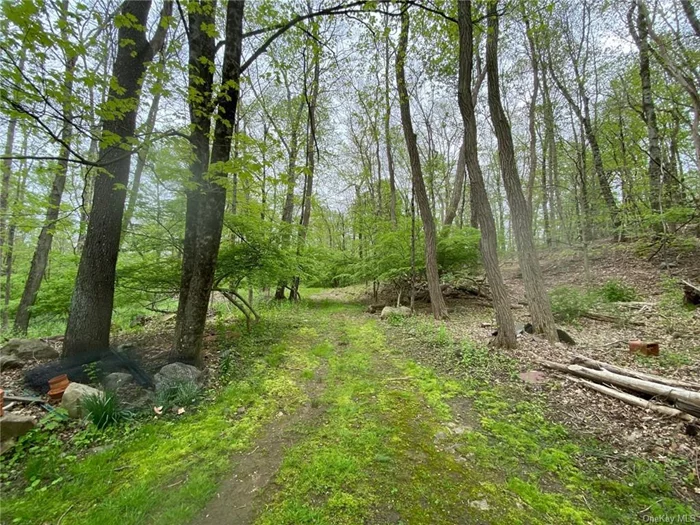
{"points": [[384, 448], [140, 478]]}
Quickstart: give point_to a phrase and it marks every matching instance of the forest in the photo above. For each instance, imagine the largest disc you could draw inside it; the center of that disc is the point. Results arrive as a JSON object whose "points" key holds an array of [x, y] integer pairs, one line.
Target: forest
{"points": [[349, 261]]}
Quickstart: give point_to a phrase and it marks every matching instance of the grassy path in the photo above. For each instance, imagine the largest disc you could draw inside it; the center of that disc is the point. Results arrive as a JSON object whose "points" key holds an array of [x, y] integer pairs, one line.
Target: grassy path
{"points": [[327, 421]]}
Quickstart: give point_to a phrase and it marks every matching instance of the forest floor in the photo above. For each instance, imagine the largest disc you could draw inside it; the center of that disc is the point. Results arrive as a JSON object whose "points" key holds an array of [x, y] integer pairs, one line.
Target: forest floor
{"points": [[328, 415]]}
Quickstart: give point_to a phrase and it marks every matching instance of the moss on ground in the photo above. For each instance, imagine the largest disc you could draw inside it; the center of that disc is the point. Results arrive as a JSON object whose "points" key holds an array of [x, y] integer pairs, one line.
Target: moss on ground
{"points": [[397, 443]]}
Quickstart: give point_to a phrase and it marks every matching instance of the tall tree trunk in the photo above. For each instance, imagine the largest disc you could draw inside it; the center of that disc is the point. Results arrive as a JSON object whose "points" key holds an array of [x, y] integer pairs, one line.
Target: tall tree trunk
{"points": [[532, 114], [488, 243], [387, 128], [10, 245], [43, 245], [553, 160], [93, 296], [311, 102], [437, 301], [584, 117], [540, 309], [7, 170], [141, 161], [288, 208], [640, 34], [205, 215], [458, 187]]}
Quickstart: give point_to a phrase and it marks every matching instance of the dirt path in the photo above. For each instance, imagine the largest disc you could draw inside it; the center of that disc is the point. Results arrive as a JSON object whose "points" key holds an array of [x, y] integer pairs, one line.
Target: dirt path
{"points": [[383, 440], [240, 498]]}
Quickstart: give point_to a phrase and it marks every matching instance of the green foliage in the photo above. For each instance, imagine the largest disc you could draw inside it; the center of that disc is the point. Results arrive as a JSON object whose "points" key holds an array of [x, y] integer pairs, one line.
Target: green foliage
{"points": [[103, 409], [458, 249], [568, 304], [93, 371], [615, 291], [179, 394]]}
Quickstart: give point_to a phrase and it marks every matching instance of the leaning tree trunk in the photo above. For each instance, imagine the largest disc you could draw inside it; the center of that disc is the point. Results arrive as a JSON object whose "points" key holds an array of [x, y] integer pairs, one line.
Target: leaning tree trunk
{"points": [[540, 309], [93, 296], [640, 34], [43, 245], [584, 118], [437, 301], [489, 238], [141, 161], [205, 216]]}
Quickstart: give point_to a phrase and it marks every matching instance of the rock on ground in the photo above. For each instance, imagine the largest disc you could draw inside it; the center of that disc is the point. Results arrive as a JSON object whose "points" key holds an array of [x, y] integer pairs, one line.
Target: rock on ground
{"points": [[117, 380], [10, 361], [13, 426], [401, 311], [26, 349], [73, 396], [176, 373]]}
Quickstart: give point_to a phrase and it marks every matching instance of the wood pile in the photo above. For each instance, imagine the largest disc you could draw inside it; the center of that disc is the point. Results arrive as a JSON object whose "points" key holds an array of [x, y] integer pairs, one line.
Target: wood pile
{"points": [[662, 395]]}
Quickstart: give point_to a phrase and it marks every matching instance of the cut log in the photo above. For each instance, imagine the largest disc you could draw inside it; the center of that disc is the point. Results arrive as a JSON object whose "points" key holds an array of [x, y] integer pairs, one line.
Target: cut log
{"points": [[639, 385], [592, 363], [610, 319], [634, 400], [691, 293]]}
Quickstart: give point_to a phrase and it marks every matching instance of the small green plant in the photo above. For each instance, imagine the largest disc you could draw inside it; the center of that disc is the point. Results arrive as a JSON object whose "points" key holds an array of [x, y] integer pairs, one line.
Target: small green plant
{"points": [[568, 304], [615, 291], [179, 394], [103, 409], [93, 371]]}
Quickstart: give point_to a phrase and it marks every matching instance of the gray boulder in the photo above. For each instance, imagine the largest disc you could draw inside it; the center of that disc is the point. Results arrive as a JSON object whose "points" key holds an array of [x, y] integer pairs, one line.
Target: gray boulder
{"points": [[27, 349], [13, 426], [73, 396], [174, 373], [10, 361], [116, 380], [401, 311]]}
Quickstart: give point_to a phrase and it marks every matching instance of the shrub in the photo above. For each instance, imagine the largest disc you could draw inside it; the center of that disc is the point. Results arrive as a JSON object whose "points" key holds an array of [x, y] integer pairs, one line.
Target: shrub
{"points": [[179, 394], [569, 303], [103, 409], [615, 291]]}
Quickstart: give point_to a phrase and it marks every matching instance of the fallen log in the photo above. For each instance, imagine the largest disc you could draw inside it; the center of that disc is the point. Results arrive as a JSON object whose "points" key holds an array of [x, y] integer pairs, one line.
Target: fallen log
{"points": [[24, 399], [610, 319], [639, 385], [634, 400], [691, 293], [592, 363]]}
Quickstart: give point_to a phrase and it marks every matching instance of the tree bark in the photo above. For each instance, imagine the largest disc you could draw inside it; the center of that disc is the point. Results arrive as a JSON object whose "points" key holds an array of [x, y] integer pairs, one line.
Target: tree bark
{"points": [[542, 318], [93, 296], [205, 214], [10, 245], [43, 246], [584, 117], [692, 17], [311, 102], [141, 162], [387, 129], [488, 243], [288, 208], [458, 187], [640, 34], [437, 301], [7, 170]]}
